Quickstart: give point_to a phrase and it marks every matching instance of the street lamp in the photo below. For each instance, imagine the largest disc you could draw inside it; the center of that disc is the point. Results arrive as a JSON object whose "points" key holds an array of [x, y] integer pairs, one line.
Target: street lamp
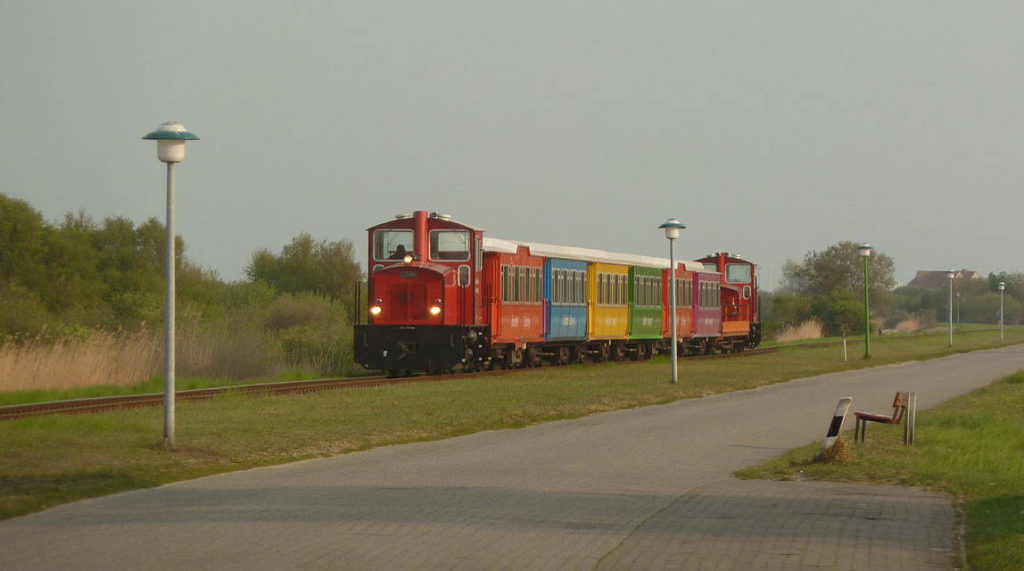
{"points": [[672, 227], [865, 252], [170, 140], [950, 274], [1002, 288]]}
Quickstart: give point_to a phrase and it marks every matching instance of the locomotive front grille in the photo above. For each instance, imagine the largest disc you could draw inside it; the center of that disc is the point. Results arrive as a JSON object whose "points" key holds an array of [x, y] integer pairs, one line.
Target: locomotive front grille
{"points": [[408, 300]]}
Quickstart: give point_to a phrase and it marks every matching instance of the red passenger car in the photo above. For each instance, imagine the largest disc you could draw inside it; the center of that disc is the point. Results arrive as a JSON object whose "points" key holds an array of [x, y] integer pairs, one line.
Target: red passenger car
{"points": [[514, 294]]}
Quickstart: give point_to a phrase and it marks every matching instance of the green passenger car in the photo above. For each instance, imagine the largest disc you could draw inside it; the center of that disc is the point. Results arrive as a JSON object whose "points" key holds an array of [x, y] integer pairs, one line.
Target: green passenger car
{"points": [[645, 304]]}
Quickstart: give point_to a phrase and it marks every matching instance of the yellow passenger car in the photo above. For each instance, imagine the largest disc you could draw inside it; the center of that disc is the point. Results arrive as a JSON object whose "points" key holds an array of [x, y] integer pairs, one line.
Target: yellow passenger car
{"points": [[607, 301]]}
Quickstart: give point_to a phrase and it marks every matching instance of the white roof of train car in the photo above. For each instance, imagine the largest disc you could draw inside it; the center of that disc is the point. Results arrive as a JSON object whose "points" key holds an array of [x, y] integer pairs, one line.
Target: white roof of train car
{"points": [[585, 254]]}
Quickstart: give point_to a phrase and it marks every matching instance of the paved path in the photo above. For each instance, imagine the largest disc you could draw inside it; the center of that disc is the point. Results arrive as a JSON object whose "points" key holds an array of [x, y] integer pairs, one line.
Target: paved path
{"points": [[646, 488]]}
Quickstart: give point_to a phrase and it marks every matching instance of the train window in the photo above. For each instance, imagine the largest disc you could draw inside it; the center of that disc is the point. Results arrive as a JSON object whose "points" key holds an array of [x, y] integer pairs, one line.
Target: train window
{"points": [[504, 283], [449, 245], [392, 244], [464, 276], [532, 284], [737, 273], [524, 284], [513, 278]]}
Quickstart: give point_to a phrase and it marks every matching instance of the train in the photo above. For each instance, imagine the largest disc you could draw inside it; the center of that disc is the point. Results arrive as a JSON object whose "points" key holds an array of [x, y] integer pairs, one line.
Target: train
{"points": [[442, 297]]}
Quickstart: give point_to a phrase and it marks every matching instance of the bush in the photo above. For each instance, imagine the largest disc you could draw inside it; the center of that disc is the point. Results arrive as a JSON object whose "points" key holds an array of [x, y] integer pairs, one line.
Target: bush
{"points": [[21, 312]]}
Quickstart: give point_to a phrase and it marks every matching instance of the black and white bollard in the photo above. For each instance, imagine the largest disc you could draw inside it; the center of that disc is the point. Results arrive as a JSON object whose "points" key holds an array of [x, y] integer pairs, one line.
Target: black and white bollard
{"points": [[837, 424]]}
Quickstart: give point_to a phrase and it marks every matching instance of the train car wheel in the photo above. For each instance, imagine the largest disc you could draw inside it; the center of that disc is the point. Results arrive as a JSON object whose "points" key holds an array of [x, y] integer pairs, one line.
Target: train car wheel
{"points": [[575, 355], [533, 358], [563, 355], [618, 352]]}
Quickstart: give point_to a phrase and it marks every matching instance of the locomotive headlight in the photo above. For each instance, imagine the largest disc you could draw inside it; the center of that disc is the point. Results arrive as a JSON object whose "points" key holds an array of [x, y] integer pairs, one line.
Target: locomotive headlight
{"points": [[408, 258], [375, 310], [435, 310]]}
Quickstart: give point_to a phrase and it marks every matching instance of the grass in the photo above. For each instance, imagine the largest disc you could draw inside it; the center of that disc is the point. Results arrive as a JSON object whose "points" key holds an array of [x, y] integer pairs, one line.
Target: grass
{"points": [[972, 447], [48, 460]]}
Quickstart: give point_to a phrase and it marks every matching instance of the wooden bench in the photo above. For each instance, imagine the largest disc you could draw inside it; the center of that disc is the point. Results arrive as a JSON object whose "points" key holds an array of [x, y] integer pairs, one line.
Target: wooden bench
{"points": [[899, 407]]}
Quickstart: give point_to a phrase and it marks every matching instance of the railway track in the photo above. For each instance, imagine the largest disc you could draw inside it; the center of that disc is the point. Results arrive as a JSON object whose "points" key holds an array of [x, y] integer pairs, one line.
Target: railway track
{"points": [[101, 404]]}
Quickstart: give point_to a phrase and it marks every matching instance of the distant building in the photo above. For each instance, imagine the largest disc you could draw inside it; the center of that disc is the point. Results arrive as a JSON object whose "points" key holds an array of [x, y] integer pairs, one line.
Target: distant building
{"points": [[935, 280]]}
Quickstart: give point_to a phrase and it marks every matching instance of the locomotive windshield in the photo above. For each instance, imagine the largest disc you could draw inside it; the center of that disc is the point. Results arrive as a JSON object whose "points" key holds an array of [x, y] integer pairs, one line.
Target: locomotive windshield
{"points": [[449, 245], [392, 244], [737, 273]]}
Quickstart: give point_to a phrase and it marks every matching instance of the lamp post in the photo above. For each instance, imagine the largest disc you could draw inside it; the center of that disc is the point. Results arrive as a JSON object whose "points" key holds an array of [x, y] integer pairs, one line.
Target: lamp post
{"points": [[1002, 288], [170, 140], [950, 274], [672, 227], [865, 252]]}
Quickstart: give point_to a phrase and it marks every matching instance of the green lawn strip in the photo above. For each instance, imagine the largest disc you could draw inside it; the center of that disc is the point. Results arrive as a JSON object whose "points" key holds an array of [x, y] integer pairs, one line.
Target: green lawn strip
{"points": [[49, 460], [971, 447]]}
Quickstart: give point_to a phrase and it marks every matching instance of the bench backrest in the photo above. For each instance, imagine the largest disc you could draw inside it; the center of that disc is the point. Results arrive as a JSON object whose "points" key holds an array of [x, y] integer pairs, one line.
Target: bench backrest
{"points": [[899, 406]]}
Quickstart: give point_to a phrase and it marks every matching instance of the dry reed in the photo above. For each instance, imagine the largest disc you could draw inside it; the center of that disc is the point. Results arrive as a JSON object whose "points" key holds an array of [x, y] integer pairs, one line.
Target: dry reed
{"points": [[124, 359], [810, 329], [101, 358], [909, 325]]}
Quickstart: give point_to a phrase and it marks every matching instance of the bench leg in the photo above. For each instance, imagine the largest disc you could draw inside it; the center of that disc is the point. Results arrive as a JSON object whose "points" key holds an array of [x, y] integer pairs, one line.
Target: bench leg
{"points": [[858, 431]]}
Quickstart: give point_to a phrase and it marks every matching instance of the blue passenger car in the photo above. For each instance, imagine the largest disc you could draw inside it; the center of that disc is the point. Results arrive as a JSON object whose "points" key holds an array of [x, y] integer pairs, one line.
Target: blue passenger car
{"points": [[565, 292]]}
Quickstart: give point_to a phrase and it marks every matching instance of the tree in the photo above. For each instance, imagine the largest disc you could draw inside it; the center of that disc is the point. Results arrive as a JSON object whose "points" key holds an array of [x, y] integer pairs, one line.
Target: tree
{"points": [[22, 245], [833, 280], [838, 268], [306, 265]]}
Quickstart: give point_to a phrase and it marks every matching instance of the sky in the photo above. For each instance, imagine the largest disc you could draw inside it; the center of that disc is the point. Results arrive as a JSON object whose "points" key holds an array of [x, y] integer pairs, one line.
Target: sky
{"points": [[769, 128]]}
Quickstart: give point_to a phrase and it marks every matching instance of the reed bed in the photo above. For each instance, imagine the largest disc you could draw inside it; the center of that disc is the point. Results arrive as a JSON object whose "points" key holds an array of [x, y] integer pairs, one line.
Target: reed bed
{"points": [[99, 358], [810, 329], [122, 358]]}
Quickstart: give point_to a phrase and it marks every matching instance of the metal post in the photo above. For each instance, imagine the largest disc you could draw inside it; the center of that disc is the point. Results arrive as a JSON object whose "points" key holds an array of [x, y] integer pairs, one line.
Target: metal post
{"points": [[672, 273], [950, 312], [169, 327], [1001, 288], [867, 313]]}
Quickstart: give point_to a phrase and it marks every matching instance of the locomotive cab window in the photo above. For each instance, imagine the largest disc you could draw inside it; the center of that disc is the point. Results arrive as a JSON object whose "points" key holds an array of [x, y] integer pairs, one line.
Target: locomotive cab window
{"points": [[392, 244], [737, 273], [449, 245]]}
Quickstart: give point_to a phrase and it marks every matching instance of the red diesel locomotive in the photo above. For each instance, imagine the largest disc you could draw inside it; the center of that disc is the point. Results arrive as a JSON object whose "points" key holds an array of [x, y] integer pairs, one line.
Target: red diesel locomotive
{"points": [[441, 296]]}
